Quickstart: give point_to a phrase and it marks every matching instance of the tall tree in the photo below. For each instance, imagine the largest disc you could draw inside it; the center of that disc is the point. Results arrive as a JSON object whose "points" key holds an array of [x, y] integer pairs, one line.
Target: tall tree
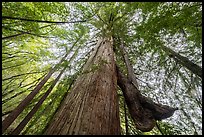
{"points": [[151, 51], [93, 96]]}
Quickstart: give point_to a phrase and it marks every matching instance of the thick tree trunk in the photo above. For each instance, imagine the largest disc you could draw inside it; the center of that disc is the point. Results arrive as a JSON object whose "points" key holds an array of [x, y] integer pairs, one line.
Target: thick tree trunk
{"points": [[92, 105], [184, 61]]}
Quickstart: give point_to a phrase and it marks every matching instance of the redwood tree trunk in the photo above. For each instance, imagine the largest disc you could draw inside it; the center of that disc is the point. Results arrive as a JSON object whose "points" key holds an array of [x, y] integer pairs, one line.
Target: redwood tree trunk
{"points": [[92, 106]]}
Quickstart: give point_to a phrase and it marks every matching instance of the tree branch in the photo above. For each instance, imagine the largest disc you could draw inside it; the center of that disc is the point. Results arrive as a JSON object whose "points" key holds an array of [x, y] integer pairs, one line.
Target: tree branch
{"points": [[8, 37], [42, 21], [23, 32]]}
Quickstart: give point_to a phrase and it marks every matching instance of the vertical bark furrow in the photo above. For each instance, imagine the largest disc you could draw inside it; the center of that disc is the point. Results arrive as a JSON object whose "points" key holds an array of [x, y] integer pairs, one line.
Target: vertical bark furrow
{"points": [[62, 110], [91, 113], [80, 109], [72, 110], [75, 114], [90, 60], [78, 123], [84, 127]]}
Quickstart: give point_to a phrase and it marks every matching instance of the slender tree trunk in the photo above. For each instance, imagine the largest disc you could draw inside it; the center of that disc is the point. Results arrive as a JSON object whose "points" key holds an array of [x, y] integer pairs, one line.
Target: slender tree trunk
{"points": [[131, 75], [184, 61], [60, 102], [34, 110], [92, 105], [33, 83], [20, 127], [16, 112], [48, 107]]}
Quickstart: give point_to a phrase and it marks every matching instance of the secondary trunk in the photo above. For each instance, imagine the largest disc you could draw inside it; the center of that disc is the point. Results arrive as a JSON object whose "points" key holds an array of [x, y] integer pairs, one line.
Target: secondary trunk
{"points": [[130, 72], [142, 109], [92, 105]]}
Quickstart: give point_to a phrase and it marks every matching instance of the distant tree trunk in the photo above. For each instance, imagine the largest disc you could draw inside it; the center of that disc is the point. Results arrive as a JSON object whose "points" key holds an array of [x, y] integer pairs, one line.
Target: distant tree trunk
{"points": [[91, 107], [194, 68], [16, 112], [23, 123]]}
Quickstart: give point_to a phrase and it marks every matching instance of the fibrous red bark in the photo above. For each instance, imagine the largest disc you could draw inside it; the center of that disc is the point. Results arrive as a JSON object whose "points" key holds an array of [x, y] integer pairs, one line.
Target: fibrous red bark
{"points": [[92, 105]]}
